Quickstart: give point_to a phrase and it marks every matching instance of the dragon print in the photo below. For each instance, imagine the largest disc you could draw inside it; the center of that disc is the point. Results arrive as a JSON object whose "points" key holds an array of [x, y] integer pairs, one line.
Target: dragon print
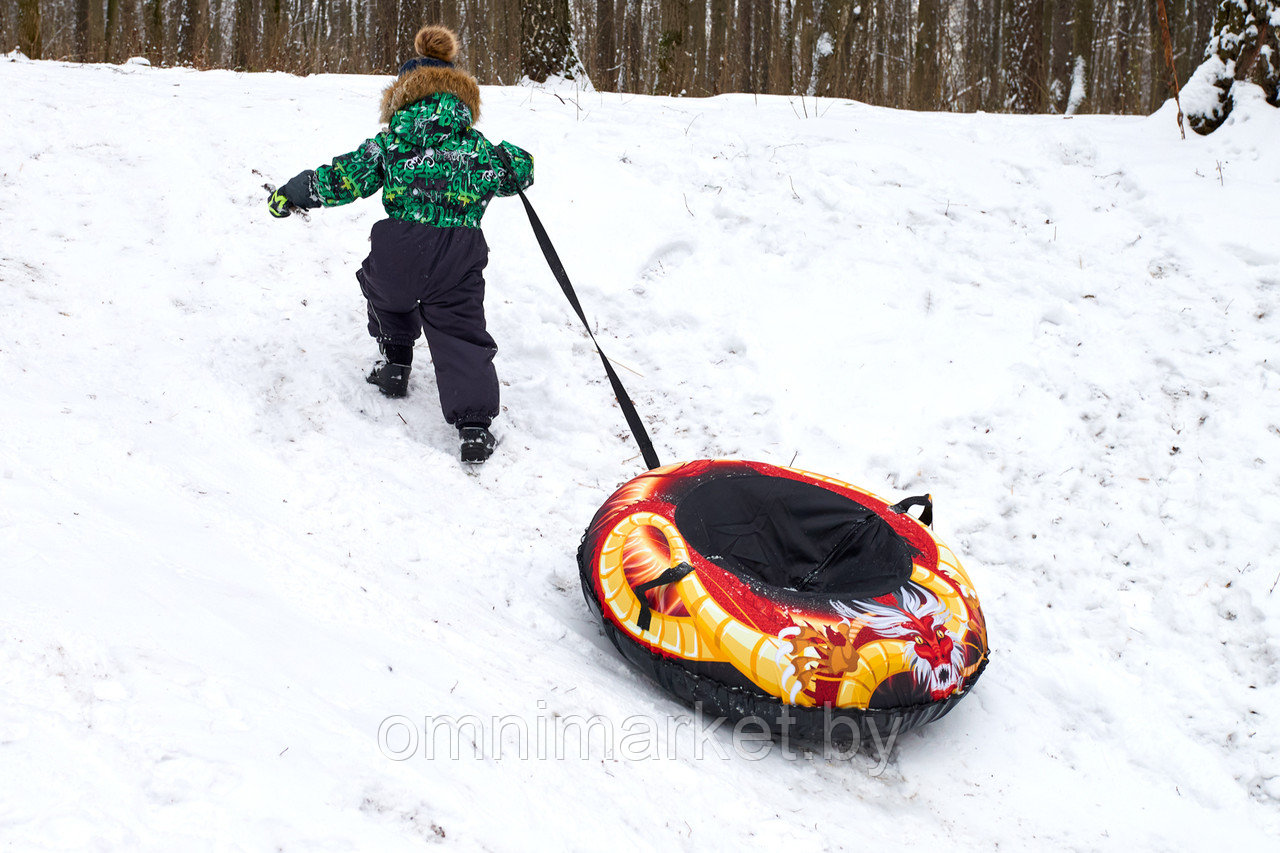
{"points": [[936, 656]]}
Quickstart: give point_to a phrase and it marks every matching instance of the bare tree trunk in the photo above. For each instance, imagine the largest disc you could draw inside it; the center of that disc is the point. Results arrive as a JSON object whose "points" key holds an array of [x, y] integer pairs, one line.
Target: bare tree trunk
{"points": [[546, 45], [109, 30], [1057, 52], [630, 48], [782, 68], [835, 45], [189, 23], [491, 36], [605, 70], [674, 62], [804, 37], [201, 33], [1126, 59], [382, 52], [1026, 74], [30, 35], [697, 48], [926, 89], [898, 47], [762, 46], [274, 32], [718, 47], [1082, 52], [998, 34], [81, 28], [155, 31], [242, 53]]}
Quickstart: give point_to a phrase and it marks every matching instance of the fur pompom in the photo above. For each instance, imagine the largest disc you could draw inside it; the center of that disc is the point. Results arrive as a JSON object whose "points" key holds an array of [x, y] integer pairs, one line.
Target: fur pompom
{"points": [[436, 42]]}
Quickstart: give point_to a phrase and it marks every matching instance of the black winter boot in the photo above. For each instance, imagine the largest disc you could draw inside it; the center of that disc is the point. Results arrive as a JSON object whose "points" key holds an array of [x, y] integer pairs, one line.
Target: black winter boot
{"points": [[392, 375], [392, 379], [477, 443]]}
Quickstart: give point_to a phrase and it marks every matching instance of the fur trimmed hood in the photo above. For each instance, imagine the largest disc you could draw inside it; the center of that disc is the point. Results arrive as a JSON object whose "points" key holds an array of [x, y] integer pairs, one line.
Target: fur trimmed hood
{"points": [[424, 82]]}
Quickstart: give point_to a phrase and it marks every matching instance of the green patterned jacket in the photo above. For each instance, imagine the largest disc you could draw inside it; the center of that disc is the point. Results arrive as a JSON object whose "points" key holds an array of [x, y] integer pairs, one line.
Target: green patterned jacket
{"points": [[432, 165]]}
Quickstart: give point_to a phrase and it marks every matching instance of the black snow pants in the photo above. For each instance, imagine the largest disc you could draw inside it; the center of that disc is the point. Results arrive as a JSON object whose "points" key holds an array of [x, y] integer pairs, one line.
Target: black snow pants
{"points": [[422, 279]]}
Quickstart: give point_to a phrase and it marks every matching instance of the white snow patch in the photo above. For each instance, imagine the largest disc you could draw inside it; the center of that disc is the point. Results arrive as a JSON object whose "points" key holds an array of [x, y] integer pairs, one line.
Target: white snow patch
{"points": [[227, 562]]}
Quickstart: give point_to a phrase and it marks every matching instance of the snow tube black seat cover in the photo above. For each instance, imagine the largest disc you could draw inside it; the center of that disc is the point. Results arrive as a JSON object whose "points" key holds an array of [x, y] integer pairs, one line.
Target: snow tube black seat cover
{"points": [[805, 603]]}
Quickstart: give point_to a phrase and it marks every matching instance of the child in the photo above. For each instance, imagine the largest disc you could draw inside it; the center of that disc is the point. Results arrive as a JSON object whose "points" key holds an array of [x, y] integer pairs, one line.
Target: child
{"points": [[425, 270]]}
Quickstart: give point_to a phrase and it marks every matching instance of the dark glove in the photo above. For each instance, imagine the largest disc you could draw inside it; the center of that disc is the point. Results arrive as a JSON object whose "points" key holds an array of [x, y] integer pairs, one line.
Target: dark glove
{"points": [[299, 191], [279, 205]]}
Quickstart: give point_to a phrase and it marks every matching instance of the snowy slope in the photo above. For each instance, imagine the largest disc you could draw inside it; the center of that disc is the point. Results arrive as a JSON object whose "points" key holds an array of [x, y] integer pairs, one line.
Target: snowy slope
{"points": [[226, 561]]}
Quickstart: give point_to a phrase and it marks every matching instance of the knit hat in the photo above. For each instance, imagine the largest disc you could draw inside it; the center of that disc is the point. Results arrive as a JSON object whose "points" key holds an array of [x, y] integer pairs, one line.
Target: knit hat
{"points": [[430, 72], [436, 46]]}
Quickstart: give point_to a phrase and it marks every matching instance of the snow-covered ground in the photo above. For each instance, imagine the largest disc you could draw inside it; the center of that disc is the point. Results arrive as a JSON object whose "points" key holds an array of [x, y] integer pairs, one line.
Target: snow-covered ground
{"points": [[227, 562]]}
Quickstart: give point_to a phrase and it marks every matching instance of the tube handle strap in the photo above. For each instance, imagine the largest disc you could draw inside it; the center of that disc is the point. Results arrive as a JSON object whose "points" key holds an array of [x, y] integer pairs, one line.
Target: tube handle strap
{"points": [[926, 501], [671, 575]]}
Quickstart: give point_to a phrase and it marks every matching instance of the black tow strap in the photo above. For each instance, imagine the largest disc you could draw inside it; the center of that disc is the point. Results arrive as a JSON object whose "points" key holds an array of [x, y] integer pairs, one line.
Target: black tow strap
{"points": [[671, 575], [624, 402]]}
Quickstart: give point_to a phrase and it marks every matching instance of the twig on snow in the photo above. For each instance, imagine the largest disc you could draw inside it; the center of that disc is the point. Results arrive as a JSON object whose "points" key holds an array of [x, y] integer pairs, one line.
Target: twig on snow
{"points": [[624, 367]]}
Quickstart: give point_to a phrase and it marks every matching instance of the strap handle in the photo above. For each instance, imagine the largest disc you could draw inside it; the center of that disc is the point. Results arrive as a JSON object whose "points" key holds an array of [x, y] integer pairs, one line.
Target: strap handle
{"points": [[926, 501], [671, 575]]}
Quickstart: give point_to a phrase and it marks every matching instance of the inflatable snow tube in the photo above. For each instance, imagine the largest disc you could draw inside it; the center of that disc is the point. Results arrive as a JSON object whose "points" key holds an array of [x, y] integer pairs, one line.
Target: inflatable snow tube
{"points": [[814, 608]]}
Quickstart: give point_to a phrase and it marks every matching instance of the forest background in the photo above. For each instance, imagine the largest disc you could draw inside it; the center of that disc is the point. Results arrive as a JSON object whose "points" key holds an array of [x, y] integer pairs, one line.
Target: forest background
{"points": [[1022, 56]]}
